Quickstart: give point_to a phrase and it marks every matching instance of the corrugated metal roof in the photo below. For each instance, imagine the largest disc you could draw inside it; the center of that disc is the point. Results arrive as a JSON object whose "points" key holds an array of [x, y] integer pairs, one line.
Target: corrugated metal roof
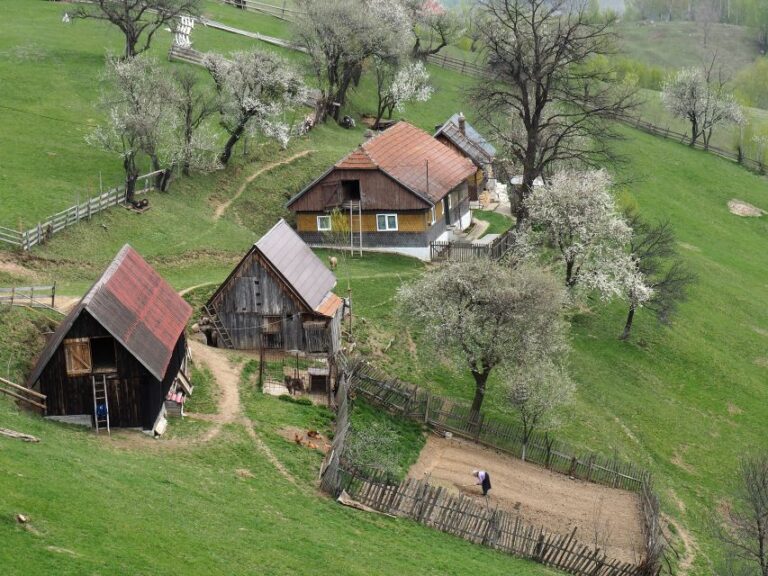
{"points": [[330, 304], [406, 153], [137, 306], [471, 142], [296, 262]]}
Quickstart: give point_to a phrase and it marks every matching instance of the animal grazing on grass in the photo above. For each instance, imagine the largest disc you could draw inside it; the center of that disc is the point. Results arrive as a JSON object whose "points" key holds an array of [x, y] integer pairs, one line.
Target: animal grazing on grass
{"points": [[294, 385], [296, 438], [333, 261]]}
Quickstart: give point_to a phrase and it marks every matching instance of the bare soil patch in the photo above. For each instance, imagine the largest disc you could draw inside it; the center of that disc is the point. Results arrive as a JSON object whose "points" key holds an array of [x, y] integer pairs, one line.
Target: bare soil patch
{"points": [[308, 438], [611, 518], [741, 208]]}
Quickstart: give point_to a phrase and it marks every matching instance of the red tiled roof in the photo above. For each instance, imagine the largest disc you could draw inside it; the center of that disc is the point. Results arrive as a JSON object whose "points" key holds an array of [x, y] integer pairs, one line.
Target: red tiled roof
{"points": [[357, 160], [329, 305], [137, 307]]}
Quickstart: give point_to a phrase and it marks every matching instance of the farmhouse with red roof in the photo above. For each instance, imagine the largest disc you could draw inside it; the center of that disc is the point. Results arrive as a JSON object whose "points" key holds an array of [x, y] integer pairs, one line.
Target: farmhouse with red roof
{"points": [[399, 191]]}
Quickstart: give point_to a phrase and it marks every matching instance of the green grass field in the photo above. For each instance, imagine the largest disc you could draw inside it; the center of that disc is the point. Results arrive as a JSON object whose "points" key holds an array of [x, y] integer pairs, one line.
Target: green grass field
{"points": [[684, 401]]}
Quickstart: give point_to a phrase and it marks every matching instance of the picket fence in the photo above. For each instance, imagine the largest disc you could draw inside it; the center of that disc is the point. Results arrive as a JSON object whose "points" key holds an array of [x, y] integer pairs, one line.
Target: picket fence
{"points": [[460, 251], [44, 229]]}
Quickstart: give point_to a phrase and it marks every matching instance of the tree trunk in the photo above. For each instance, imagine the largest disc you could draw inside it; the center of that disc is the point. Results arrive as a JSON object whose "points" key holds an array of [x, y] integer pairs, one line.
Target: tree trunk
{"points": [[481, 378], [525, 448], [131, 175], [694, 133], [234, 137], [570, 279], [628, 324]]}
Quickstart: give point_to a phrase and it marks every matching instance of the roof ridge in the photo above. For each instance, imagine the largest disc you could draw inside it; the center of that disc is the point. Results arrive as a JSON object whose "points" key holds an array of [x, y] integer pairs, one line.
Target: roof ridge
{"points": [[106, 275], [268, 232]]}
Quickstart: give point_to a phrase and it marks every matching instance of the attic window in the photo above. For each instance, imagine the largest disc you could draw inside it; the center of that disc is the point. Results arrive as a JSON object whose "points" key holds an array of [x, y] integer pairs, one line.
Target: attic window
{"points": [[77, 353], [103, 354], [350, 190]]}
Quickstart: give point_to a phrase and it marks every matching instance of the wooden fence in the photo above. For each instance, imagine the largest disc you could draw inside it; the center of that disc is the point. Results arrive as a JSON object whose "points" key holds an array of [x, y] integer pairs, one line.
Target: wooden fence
{"points": [[280, 12], [41, 232], [22, 394], [463, 251], [461, 516], [455, 416], [32, 296]]}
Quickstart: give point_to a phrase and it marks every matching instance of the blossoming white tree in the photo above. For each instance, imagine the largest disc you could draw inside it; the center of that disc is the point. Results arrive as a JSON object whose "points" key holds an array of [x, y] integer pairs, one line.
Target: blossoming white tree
{"points": [[140, 117], [340, 35], [398, 83], [577, 215], [483, 315], [255, 88], [694, 95], [538, 395]]}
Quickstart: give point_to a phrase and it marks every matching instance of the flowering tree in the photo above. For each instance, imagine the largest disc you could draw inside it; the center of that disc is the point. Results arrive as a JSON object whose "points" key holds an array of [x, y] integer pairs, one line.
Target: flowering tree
{"points": [[433, 27], [537, 396], [398, 83], [576, 213], [482, 315], [340, 35], [692, 94], [193, 104], [140, 117], [255, 88]]}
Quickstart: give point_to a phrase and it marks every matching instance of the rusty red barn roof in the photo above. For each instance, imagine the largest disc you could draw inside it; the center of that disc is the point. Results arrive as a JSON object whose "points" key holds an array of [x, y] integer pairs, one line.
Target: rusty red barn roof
{"points": [[406, 153], [137, 307]]}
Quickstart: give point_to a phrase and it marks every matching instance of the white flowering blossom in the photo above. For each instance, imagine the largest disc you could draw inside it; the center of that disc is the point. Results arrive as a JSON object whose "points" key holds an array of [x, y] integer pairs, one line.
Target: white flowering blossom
{"points": [[255, 90], [689, 94], [398, 84], [576, 213]]}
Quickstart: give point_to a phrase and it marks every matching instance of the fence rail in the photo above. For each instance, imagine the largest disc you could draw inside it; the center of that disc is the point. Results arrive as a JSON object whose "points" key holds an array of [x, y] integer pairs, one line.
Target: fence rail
{"points": [[33, 296], [22, 394], [280, 12], [43, 230]]}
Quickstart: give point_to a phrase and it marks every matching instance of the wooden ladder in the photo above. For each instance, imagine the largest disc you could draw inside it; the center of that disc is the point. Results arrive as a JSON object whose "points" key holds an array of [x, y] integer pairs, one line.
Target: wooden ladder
{"points": [[226, 340], [100, 403]]}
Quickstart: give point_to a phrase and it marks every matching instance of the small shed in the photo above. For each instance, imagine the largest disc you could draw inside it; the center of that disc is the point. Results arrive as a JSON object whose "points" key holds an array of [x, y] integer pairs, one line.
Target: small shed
{"points": [[126, 337], [459, 135], [279, 297]]}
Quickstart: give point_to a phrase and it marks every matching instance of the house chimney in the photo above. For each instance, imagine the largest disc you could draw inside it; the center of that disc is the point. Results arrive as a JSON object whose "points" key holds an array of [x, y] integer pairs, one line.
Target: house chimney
{"points": [[462, 124]]}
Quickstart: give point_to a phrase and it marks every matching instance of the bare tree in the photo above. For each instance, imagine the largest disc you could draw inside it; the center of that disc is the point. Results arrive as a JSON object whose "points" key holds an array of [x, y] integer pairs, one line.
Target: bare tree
{"points": [[140, 117], [543, 100], [482, 315], [653, 249], [746, 524], [137, 18], [537, 394], [433, 27], [699, 96], [340, 35], [576, 214], [398, 82], [194, 103], [254, 88]]}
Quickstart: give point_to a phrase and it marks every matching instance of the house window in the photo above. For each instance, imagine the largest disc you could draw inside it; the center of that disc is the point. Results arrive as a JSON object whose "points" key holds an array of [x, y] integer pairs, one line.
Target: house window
{"points": [[77, 353], [386, 222], [432, 215], [324, 223], [103, 354]]}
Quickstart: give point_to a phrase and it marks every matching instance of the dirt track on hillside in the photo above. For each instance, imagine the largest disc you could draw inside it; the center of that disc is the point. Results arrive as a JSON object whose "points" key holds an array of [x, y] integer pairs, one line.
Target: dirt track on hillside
{"points": [[554, 501]]}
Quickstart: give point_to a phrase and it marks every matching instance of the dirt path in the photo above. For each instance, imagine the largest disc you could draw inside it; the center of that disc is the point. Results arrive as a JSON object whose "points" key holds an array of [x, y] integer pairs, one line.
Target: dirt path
{"points": [[223, 207], [691, 548], [195, 287], [601, 514]]}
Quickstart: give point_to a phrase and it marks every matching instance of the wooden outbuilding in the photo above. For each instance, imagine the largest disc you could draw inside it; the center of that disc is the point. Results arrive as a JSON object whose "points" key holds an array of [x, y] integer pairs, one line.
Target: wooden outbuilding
{"points": [[399, 191], [119, 351], [279, 297], [458, 134]]}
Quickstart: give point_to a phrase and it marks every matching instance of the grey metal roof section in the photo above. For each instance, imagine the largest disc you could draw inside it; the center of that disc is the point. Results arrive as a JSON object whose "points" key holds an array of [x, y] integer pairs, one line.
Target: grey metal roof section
{"points": [[304, 271], [472, 143]]}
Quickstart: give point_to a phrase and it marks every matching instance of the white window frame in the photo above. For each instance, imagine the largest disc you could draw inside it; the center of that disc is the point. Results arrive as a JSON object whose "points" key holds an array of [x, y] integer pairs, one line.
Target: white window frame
{"points": [[433, 215], [321, 228], [386, 223]]}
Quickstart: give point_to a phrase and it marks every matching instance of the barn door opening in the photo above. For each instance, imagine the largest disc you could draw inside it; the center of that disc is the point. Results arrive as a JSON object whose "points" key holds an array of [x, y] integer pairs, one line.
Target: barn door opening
{"points": [[103, 355]]}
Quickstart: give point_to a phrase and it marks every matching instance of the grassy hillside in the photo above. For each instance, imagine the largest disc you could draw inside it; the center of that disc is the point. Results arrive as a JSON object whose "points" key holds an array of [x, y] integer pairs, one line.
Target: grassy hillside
{"points": [[673, 45]]}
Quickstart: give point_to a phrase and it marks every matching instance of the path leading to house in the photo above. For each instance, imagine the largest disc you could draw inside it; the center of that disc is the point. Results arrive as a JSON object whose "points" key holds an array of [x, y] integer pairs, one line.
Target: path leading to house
{"points": [[610, 517], [223, 207]]}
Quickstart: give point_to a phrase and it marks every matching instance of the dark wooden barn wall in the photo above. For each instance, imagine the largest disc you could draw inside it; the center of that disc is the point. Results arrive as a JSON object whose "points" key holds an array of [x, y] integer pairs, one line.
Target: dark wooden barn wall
{"points": [[377, 190], [243, 302], [74, 395]]}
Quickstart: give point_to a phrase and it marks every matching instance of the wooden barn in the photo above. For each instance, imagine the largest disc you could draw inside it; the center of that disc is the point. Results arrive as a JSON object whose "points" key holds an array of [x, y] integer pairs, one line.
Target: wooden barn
{"points": [[279, 297], [398, 192], [458, 134], [119, 352]]}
